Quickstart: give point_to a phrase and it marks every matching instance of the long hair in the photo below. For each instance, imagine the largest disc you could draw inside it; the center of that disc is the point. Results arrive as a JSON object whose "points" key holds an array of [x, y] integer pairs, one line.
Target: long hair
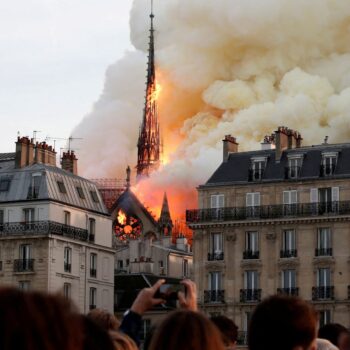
{"points": [[186, 330]]}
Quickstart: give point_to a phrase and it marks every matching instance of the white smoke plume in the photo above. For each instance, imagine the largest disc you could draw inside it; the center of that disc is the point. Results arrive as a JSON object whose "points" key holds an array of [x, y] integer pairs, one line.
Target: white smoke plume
{"points": [[240, 67]]}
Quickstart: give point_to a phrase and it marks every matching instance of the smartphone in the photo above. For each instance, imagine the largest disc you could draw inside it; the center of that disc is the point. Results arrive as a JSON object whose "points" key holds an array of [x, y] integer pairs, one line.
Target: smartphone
{"points": [[169, 291]]}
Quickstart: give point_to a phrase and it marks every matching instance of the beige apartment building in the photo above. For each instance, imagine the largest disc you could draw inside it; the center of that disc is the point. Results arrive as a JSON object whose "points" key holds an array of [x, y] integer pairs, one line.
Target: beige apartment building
{"points": [[273, 221]]}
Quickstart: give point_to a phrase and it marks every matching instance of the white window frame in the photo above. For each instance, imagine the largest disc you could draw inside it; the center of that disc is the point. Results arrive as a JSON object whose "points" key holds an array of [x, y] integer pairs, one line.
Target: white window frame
{"points": [[216, 242], [25, 251], [289, 278], [289, 240], [67, 290], [324, 277], [93, 296], [252, 241], [215, 280], [251, 279]]}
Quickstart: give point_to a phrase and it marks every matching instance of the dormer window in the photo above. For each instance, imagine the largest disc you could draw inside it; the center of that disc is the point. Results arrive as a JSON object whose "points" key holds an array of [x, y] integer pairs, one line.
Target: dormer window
{"points": [[61, 187], [329, 162], [257, 168], [5, 184], [294, 166]]}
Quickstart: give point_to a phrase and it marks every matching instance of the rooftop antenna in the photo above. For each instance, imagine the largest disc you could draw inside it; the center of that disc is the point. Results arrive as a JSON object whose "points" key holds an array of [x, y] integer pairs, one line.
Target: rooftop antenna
{"points": [[70, 139], [325, 142], [34, 134]]}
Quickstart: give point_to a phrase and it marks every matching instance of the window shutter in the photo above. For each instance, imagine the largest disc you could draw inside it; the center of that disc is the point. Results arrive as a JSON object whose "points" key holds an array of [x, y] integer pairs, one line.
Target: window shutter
{"points": [[335, 194], [293, 197], [213, 201], [286, 197], [256, 199], [313, 195], [221, 200], [249, 199]]}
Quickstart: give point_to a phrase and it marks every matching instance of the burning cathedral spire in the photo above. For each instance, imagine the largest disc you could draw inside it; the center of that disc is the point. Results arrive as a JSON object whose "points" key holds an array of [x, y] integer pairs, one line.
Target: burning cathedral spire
{"points": [[149, 142]]}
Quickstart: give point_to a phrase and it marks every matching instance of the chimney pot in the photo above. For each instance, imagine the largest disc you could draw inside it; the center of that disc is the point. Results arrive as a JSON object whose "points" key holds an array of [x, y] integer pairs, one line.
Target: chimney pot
{"points": [[230, 145]]}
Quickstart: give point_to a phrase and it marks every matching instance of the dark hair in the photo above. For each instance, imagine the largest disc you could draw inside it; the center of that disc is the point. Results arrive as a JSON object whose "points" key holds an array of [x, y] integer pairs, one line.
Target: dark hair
{"points": [[282, 322], [331, 332], [184, 329], [34, 321], [104, 319], [227, 328]]}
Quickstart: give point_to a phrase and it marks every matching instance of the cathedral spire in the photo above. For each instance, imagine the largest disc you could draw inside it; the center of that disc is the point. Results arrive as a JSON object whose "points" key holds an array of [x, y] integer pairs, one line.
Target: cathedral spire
{"points": [[165, 223], [149, 144]]}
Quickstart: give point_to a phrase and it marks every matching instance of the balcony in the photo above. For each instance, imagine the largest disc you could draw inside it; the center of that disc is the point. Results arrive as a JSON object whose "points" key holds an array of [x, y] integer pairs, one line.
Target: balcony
{"points": [[215, 256], [288, 291], [264, 212], [46, 228], [255, 175], [288, 253], [93, 273], [23, 265], [323, 252], [292, 172], [214, 296], [250, 295], [242, 338], [67, 267], [251, 254], [323, 293]]}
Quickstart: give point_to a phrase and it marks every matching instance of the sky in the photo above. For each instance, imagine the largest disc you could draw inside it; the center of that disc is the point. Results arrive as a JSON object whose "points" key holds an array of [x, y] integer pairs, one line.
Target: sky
{"points": [[53, 59]]}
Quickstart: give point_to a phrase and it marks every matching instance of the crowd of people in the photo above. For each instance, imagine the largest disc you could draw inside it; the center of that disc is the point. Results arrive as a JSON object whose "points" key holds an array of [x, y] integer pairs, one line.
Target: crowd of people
{"points": [[35, 321]]}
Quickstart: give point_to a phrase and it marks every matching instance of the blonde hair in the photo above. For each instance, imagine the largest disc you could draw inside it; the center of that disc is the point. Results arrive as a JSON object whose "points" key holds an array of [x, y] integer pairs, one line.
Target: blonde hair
{"points": [[121, 341]]}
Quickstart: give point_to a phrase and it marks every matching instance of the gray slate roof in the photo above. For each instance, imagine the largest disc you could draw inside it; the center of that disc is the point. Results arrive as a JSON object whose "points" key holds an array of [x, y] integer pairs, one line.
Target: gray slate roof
{"points": [[236, 169], [22, 179]]}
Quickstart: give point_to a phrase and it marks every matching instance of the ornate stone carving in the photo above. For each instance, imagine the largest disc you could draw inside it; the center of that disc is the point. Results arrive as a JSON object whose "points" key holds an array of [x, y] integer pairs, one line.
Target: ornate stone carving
{"points": [[231, 237]]}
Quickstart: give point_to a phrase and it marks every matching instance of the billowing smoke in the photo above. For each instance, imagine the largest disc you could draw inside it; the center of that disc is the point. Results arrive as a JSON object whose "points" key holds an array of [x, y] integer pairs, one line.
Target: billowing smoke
{"points": [[240, 67]]}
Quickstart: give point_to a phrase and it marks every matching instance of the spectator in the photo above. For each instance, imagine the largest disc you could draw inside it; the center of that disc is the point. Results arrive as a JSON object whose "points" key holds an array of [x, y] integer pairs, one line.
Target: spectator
{"points": [[122, 342], [34, 321], [228, 330], [283, 323], [336, 334], [186, 330], [324, 344], [104, 319]]}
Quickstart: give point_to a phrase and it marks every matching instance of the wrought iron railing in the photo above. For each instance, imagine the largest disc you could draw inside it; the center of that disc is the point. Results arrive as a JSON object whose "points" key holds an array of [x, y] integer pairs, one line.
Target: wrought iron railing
{"points": [[251, 254], [288, 253], [214, 296], [323, 252], [67, 267], [268, 212], [288, 291], [215, 256], [23, 265], [323, 293], [43, 228], [93, 273], [242, 338], [249, 295]]}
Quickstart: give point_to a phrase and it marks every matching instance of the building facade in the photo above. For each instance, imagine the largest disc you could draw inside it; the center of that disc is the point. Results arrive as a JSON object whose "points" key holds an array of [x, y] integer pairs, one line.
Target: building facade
{"points": [[275, 221], [55, 232]]}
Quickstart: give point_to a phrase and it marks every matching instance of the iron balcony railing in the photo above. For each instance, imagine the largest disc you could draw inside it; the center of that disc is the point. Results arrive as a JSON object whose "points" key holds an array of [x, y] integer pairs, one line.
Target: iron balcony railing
{"points": [[93, 272], [43, 228], [323, 252], [214, 296], [288, 253], [288, 291], [250, 295], [242, 338], [264, 212], [251, 254], [67, 267], [23, 265], [215, 256], [323, 293]]}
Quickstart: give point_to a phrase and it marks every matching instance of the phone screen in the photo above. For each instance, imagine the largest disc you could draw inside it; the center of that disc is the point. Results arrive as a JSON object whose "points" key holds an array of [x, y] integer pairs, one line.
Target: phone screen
{"points": [[169, 291]]}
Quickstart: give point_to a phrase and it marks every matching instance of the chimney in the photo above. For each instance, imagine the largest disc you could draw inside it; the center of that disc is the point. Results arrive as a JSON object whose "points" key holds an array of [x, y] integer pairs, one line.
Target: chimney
{"points": [[286, 139], [70, 162], [24, 152], [268, 143], [181, 243], [230, 145], [51, 156]]}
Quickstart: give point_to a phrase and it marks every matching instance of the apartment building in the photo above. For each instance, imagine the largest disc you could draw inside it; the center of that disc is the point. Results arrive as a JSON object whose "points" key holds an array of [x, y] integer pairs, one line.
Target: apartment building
{"points": [[275, 220], [55, 232]]}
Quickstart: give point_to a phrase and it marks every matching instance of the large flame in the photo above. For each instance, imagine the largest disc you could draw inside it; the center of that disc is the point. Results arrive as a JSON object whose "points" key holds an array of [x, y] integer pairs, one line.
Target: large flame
{"points": [[121, 217]]}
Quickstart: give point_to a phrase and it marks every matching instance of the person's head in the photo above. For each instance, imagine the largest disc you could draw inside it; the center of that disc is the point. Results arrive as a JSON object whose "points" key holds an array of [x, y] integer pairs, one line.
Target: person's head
{"points": [[121, 341], [336, 334], [227, 328], [104, 319], [34, 321], [324, 344], [283, 322], [184, 329]]}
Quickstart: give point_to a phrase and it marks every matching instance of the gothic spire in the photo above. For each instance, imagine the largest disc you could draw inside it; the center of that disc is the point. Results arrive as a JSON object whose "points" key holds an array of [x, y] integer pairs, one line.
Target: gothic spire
{"points": [[149, 144], [165, 223]]}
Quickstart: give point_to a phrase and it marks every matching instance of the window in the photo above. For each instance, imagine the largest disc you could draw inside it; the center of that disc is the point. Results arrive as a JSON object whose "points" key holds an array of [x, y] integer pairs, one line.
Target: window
{"points": [[288, 279], [325, 317], [5, 183], [257, 169], [294, 167], [66, 218], [93, 295], [185, 268], [329, 162], [326, 199], [67, 259], [215, 245], [1, 220], [67, 288], [94, 196], [24, 285], [92, 229], [80, 192], [29, 218], [128, 262], [61, 187], [251, 279], [288, 244], [324, 244], [290, 200], [120, 264], [217, 202], [25, 251], [253, 204], [251, 245], [215, 280], [323, 277], [93, 265], [33, 191]]}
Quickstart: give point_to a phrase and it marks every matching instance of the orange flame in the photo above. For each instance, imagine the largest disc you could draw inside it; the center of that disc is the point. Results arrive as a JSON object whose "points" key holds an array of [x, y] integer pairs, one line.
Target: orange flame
{"points": [[121, 217], [154, 92]]}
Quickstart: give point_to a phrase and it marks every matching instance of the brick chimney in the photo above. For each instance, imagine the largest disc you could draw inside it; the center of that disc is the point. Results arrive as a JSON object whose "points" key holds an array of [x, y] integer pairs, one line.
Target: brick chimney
{"points": [[286, 139], [230, 145], [70, 162], [24, 152]]}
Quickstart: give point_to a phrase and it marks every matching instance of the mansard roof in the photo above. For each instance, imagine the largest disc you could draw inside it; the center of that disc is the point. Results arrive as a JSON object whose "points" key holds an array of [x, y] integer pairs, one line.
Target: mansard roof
{"points": [[236, 169], [21, 180]]}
